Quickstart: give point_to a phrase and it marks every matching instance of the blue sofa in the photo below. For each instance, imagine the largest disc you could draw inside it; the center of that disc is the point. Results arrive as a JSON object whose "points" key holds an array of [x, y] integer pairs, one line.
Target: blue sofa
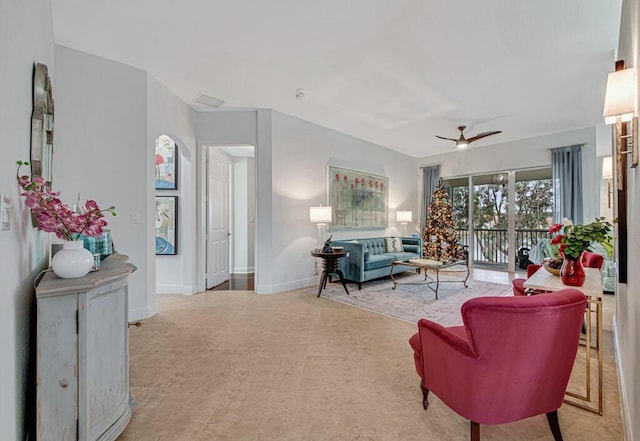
{"points": [[369, 259]]}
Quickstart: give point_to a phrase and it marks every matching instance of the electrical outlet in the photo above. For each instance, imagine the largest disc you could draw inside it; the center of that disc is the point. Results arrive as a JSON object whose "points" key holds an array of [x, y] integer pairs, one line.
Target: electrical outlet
{"points": [[5, 213]]}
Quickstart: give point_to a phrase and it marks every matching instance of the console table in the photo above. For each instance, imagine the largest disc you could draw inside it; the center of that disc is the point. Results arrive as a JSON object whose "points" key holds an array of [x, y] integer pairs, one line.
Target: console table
{"points": [[592, 288], [83, 354]]}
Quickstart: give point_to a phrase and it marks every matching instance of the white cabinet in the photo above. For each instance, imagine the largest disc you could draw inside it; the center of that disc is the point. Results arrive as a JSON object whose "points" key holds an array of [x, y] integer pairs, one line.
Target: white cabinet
{"points": [[83, 354]]}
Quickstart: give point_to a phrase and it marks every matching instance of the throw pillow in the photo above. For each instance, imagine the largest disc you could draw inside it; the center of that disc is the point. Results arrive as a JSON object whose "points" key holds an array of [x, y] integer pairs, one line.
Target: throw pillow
{"points": [[394, 245]]}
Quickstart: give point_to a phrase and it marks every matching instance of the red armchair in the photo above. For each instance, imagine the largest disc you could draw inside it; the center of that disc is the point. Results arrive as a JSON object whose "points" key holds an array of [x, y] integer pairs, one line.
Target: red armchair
{"points": [[518, 284], [511, 360], [592, 260], [589, 260]]}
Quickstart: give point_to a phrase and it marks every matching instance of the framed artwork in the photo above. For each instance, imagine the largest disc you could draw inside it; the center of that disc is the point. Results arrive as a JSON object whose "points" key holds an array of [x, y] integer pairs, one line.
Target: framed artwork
{"points": [[358, 200], [166, 225], [166, 164]]}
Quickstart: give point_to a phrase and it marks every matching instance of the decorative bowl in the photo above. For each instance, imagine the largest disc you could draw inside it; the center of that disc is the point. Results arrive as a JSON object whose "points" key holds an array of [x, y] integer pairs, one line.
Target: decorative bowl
{"points": [[554, 271]]}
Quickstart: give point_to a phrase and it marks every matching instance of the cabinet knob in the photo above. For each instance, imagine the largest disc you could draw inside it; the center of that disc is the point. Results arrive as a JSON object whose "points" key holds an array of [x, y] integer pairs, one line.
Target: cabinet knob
{"points": [[63, 384]]}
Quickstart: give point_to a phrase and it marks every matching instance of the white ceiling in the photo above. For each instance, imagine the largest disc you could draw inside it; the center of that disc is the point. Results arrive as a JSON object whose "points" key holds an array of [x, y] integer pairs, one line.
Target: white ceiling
{"points": [[395, 73]]}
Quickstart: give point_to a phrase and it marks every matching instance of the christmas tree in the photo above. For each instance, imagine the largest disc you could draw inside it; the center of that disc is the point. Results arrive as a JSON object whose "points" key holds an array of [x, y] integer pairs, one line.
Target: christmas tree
{"points": [[440, 236]]}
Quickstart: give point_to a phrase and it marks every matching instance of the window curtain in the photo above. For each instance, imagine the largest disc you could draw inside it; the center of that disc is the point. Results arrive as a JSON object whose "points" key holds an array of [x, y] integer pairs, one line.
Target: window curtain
{"points": [[430, 180], [566, 164]]}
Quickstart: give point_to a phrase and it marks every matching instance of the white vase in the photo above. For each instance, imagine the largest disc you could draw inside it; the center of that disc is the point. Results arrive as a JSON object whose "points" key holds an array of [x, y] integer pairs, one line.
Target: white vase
{"points": [[72, 260]]}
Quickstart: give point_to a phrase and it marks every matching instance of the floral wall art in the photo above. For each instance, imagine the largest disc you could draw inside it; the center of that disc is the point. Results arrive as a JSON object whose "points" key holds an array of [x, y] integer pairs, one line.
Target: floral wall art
{"points": [[166, 162], [358, 200], [166, 225]]}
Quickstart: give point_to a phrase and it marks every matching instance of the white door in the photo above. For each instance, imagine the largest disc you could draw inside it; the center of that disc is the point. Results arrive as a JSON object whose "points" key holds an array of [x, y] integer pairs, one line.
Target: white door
{"points": [[217, 218]]}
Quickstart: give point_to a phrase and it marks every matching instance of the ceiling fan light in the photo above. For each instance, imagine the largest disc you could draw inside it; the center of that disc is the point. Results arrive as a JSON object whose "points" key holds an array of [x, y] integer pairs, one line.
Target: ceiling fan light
{"points": [[460, 144]]}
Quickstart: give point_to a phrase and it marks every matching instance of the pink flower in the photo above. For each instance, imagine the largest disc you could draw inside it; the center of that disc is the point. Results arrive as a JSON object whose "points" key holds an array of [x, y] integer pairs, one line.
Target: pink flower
{"points": [[346, 178], [53, 216]]}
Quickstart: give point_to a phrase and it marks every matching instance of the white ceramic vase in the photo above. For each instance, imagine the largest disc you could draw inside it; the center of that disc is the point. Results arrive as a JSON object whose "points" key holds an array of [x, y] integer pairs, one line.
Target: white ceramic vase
{"points": [[72, 260]]}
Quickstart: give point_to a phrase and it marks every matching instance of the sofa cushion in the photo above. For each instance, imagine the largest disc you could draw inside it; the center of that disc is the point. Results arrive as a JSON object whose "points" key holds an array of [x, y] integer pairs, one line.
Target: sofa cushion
{"points": [[378, 261], [374, 246], [393, 244], [401, 256], [412, 249]]}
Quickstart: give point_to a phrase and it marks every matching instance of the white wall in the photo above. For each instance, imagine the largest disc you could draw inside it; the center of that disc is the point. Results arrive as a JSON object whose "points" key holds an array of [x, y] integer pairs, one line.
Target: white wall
{"points": [[526, 153], [301, 152], [243, 227], [169, 115], [102, 151], [627, 317], [26, 37]]}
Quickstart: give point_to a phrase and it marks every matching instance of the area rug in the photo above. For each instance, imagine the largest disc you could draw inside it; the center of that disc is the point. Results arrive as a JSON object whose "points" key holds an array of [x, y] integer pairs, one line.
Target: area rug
{"points": [[413, 302]]}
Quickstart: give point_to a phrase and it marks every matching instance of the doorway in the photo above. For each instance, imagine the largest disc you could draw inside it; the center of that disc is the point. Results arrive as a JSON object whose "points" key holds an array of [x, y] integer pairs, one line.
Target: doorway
{"points": [[230, 217]]}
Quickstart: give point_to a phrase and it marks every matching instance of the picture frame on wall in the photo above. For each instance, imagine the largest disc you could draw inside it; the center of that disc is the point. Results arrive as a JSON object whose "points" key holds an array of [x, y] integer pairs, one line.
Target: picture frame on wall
{"points": [[359, 200], [166, 224], [166, 164]]}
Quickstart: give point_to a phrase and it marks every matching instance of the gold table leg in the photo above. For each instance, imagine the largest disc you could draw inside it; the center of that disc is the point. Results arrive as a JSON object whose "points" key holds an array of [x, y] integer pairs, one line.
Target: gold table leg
{"points": [[584, 401]]}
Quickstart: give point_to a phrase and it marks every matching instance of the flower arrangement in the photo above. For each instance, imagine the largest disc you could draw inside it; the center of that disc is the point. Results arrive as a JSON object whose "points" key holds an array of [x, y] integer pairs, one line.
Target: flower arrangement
{"points": [[574, 239], [55, 217]]}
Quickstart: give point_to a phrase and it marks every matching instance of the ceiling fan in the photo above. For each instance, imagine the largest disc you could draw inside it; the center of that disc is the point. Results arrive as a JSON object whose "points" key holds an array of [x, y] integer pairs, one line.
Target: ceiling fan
{"points": [[462, 142]]}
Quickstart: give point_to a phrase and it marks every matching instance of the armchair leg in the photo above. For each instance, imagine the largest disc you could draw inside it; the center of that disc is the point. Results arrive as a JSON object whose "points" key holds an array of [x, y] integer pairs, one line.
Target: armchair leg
{"points": [[425, 396], [475, 431], [554, 425]]}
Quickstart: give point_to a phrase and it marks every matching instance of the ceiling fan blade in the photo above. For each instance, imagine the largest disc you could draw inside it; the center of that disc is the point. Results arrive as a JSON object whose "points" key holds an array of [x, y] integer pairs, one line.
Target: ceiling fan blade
{"points": [[483, 135], [449, 139]]}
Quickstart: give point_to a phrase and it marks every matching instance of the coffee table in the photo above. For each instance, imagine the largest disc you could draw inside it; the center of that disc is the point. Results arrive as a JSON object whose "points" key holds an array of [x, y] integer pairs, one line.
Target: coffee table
{"points": [[434, 265]]}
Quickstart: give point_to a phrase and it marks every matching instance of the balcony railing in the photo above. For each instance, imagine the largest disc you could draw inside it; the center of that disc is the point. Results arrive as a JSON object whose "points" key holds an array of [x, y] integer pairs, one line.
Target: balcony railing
{"points": [[491, 245]]}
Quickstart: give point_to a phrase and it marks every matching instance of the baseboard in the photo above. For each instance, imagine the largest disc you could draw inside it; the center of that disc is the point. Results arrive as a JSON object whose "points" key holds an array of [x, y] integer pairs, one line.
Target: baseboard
{"points": [[170, 289], [624, 401], [288, 286], [143, 313], [187, 290], [244, 270]]}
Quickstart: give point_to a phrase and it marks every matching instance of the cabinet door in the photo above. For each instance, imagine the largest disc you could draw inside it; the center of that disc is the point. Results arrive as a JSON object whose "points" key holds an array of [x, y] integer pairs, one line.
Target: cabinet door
{"points": [[103, 352], [57, 360]]}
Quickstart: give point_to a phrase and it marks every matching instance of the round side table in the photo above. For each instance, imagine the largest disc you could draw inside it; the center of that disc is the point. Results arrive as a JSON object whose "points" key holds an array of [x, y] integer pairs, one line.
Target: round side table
{"points": [[330, 266]]}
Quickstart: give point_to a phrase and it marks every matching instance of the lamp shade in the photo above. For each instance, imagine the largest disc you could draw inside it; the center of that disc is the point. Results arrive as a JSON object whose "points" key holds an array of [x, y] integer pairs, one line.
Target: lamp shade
{"points": [[320, 214], [404, 216], [619, 100], [607, 167]]}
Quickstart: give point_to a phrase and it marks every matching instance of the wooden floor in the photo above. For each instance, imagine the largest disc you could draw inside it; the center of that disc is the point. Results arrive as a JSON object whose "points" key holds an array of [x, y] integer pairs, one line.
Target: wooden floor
{"points": [[237, 282]]}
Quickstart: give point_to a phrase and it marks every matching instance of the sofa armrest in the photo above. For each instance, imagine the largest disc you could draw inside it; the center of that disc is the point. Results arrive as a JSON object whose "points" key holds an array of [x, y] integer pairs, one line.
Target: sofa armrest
{"points": [[352, 266], [412, 245]]}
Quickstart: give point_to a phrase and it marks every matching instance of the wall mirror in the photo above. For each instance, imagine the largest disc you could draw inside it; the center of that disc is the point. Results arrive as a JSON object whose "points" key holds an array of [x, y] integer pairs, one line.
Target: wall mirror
{"points": [[42, 124]]}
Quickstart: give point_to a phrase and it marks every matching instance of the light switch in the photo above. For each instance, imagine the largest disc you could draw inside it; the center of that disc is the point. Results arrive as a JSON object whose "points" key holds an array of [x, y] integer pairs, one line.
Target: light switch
{"points": [[5, 213], [135, 217]]}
